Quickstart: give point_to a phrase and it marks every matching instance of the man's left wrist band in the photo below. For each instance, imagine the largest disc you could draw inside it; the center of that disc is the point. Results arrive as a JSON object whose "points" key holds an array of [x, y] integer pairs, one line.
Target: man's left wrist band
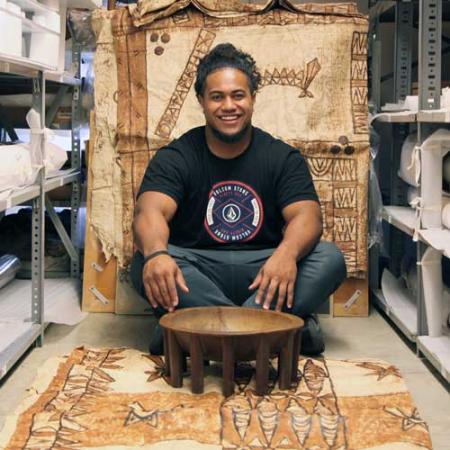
{"points": [[154, 254]]}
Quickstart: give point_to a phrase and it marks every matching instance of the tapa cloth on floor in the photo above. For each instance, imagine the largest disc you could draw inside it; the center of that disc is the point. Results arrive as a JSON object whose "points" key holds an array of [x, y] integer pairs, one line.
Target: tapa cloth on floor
{"points": [[313, 96], [118, 398]]}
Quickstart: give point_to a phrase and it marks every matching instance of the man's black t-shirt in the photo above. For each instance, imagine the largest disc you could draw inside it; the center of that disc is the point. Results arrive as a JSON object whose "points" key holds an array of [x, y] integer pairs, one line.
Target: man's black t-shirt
{"points": [[229, 203]]}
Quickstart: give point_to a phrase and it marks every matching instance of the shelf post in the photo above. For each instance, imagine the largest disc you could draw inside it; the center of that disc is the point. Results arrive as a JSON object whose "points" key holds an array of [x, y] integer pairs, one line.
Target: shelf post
{"points": [[76, 161], [430, 43], [422, 326], [375, 66], [403, 50], [38, 222], [430, 38]]}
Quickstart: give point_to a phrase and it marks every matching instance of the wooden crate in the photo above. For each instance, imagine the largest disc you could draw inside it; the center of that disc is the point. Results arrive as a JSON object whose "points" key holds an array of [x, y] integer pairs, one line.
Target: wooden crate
{"points": [[351, 298], [99, 279], [128, 301]]}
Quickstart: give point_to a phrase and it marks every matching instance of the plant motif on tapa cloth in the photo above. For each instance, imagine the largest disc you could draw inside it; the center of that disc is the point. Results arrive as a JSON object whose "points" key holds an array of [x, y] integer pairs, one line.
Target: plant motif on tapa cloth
{"points": [[381, 371], [409, 420], [158, 370]]}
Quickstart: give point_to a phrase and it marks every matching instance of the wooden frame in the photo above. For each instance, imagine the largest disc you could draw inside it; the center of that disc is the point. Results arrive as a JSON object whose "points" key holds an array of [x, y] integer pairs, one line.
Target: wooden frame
{"points": [[111, 4]]}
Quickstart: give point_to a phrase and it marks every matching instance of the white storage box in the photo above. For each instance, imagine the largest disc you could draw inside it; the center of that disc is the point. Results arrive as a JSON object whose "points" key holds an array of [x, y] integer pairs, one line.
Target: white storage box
{"points": [[44, 47], [11, 29]]}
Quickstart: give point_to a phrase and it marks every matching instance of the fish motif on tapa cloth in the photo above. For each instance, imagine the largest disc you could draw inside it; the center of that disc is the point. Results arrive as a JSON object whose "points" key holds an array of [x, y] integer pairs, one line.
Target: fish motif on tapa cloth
{"points": [[104, 398], [313, 95]]}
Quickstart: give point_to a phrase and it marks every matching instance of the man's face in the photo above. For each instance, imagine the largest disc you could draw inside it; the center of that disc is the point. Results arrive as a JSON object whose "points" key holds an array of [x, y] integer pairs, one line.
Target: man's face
{"points": [[227, 104]]}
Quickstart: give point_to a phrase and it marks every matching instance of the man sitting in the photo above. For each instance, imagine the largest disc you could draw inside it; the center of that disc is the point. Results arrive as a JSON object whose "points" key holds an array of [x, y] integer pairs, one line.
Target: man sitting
{"points": [[228, 215]]}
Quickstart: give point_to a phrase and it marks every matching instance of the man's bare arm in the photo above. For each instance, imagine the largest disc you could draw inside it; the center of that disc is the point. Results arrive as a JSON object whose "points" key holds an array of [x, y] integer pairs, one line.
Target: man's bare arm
{"points": [[303, 228], [153, 213], [161, 275], [302, 232]]}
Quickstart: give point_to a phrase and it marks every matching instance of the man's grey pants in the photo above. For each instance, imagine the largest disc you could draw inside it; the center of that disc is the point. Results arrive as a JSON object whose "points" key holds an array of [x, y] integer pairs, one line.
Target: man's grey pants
{"points": [[222, 277]]}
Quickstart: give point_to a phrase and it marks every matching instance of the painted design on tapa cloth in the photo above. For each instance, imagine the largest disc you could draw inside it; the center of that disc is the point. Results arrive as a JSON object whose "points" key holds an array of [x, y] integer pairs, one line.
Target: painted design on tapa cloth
{"points": [[358, 83], [170, 116], [409, 420], [336, 182], [380, 371], [291, 77], [158, 370], [134, 136], [102, 398], [190, 17], [151, 417]]}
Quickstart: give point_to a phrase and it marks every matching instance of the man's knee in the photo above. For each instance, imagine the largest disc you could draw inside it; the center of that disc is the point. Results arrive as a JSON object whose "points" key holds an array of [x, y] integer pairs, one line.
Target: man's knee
{"points": [[319, 275], [330, 261], [334, 260]]}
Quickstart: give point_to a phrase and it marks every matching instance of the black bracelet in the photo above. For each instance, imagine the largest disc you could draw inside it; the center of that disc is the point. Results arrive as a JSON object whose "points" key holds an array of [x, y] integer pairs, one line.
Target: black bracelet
{"points": [[153, 255]]}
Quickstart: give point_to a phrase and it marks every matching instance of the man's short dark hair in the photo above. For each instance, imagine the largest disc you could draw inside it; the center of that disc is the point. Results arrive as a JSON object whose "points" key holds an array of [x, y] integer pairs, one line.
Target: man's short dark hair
{"points": [[227, 55]]}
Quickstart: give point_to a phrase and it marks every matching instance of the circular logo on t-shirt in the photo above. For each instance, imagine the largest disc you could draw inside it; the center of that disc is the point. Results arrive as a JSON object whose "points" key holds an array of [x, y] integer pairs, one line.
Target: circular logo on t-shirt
{"points": [[234, 212]]}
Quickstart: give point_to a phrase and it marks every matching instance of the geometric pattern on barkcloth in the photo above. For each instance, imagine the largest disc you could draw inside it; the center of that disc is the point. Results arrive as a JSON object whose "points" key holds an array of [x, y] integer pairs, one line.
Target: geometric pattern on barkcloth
{"points": [[119, 398], [322, 56]]}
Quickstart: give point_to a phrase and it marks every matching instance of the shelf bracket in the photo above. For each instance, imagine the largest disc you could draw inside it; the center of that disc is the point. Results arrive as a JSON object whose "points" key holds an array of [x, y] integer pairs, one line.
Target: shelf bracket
{"points": [[53, 109], [71, 250]]}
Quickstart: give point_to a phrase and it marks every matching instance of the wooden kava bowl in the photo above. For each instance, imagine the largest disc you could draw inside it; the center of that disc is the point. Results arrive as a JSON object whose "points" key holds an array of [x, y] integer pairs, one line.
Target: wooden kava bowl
{"points": [[231, 334]]}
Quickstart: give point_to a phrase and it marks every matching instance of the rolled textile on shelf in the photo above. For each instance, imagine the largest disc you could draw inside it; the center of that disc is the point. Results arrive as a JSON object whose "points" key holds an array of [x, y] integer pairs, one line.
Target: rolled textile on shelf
{"points": [[9, 266], [446, 171], [409, 170], [433, 289], [412, 103], [412, 195], [53, 157], [16, 169], [432, 151], [446, 196], [33, 119], [446, 215]]}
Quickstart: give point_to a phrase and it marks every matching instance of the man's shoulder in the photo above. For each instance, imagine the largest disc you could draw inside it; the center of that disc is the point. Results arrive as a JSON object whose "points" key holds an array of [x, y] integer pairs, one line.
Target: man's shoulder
{"points": [[271, 142], [189, 141]]}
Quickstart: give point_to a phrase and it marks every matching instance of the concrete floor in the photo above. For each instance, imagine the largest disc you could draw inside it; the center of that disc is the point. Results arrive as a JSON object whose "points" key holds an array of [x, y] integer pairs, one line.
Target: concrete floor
{"points": [[347, 338]]}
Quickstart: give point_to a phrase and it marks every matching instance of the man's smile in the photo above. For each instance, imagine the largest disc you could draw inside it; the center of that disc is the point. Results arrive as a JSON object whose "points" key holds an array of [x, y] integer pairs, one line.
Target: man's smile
{"points": [[230, 118]]}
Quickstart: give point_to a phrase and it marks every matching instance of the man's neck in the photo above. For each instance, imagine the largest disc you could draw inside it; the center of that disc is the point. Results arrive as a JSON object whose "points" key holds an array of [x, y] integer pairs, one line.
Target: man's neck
{"points": [[227, 150]]}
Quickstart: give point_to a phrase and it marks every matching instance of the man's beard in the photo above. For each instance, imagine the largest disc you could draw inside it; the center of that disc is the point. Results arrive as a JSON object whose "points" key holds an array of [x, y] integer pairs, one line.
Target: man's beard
{"points": [[231, 138]]}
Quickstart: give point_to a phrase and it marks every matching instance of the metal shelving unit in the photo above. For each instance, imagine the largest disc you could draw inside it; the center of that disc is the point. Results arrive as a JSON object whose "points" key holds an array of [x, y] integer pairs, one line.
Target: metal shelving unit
{"points": [[19, 334], [410, 317]]}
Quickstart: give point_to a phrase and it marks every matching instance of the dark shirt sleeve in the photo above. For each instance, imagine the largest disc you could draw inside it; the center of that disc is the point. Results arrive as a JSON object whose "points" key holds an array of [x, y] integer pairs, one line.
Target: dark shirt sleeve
{"points": [[166, 173], [294, 181]]}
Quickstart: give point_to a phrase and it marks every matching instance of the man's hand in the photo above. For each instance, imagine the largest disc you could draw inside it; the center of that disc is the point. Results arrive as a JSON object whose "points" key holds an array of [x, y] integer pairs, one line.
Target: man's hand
{"points": [[278, 274], [161, 275]]}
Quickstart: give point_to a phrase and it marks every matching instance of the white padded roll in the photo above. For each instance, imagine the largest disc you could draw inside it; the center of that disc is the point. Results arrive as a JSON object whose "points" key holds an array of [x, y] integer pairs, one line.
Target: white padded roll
{"points": [[409, 170], [446, 215], [433, 289], [16, 169], [412, 195], [432, 151]]}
